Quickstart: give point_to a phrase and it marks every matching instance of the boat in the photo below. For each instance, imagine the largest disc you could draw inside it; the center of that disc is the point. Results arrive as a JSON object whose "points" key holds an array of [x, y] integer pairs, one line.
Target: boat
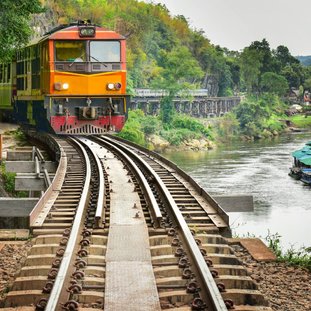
{"points": [[302, 160], [306, 176], [295, 172]]}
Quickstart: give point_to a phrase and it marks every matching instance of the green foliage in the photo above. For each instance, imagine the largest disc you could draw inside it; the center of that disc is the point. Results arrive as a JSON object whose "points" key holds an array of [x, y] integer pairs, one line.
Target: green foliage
{"points": [[167, 110], [307, 84], [274, 83], [250, 114], [150, 125], [179, 68], [9, 182], [301, 121], [250, 63], [19, 135], [14, 25], [228, 127], [180, 129], [273, 124], [178, 135], [301, 257], [258, 115], [132, 130], [186, 122]]}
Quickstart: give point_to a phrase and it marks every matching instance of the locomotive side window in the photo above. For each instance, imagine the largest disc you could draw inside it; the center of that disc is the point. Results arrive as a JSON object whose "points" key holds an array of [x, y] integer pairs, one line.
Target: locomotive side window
{"points": [[105, 51], [70, 51]]}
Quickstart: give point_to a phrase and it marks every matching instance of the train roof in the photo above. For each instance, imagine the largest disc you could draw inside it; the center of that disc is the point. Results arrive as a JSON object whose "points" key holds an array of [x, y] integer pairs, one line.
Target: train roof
{"points": [[72, 32]]}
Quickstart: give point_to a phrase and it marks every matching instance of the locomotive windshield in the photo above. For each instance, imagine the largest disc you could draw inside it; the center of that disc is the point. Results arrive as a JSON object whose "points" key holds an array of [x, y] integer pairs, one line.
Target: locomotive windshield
{"points": [[99, 51], [69, 51], [105, 51]]}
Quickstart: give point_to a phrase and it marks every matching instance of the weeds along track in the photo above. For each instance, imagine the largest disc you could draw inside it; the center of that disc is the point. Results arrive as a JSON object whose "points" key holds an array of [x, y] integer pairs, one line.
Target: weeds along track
{"points": [[123, 229]]}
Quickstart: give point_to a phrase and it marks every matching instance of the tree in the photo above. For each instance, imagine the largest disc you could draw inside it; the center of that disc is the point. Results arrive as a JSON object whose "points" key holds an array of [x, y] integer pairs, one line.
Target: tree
{"points": [[283, 56], [179, 71], [250, 64], [14, 24], [307, 84], [294, 75], [263, 49], [274, 83]]}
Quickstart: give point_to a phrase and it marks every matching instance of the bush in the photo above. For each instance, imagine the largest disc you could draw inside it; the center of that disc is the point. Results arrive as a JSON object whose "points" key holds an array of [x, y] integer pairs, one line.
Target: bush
{"points": [[9, 183], [228, 127], [192, 124], [182, 128], [177, 136], [301, 257], [132, 130], [150, 125]]}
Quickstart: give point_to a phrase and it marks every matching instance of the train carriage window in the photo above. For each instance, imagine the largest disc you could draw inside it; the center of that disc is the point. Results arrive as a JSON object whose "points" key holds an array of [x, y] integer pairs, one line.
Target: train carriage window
{"points": [[9, 72], [105, 51], [5, 73], [70, 51]]}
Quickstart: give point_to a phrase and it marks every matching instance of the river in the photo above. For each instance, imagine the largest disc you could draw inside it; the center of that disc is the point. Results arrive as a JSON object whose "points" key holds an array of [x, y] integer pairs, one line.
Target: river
{"points": [[282, 205]]}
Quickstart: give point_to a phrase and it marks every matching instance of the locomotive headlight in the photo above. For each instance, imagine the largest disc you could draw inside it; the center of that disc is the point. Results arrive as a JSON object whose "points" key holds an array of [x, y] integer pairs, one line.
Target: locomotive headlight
{"points": [[114, 86], [58, 86], [110, 86], [118, 86]]}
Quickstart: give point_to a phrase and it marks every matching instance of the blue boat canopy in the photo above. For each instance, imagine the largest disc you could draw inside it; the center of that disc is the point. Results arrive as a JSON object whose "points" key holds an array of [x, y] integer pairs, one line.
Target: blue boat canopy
{"points": [[305, 160], [306, 150]]}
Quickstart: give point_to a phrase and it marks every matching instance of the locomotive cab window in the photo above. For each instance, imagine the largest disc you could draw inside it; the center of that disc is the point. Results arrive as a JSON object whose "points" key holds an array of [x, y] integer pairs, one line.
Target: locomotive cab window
{"points": [[70, 51], [105, 51]]}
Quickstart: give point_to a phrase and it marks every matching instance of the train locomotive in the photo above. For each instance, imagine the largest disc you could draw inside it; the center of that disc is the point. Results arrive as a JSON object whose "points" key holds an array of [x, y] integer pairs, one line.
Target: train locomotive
{"points": [[70, 81]]}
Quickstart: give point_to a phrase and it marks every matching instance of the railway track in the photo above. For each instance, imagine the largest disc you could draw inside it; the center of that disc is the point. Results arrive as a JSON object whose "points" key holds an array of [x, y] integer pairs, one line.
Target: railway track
{"points": [[123, 229]]}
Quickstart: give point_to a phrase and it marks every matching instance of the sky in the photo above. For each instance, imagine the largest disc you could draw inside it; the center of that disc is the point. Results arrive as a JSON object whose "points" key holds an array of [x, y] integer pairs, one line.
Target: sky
{"points": [[235, 24]]}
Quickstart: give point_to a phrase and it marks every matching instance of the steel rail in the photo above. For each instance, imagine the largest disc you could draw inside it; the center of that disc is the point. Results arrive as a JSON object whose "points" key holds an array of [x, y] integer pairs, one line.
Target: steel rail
{"points": [[214, 204], [39, 212], [154, 207], [207, 279], [53, 302], [100, 209]]}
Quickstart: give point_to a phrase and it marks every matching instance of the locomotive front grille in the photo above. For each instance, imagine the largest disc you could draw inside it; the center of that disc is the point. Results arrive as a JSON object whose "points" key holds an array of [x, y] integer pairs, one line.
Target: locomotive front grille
{"points": [[88, 129]]}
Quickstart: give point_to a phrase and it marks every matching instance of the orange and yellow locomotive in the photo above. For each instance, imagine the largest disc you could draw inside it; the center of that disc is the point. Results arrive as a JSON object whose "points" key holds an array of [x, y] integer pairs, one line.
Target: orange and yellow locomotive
{"points": [[70, 81]]}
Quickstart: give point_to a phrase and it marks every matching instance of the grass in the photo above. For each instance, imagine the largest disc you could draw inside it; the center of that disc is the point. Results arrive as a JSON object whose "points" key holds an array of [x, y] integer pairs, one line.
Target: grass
{"points": [[301, 257], [299, 120]]}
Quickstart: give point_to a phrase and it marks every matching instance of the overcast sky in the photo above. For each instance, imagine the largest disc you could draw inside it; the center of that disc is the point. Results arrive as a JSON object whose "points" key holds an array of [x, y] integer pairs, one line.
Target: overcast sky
{"points": [[236, 23]]}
